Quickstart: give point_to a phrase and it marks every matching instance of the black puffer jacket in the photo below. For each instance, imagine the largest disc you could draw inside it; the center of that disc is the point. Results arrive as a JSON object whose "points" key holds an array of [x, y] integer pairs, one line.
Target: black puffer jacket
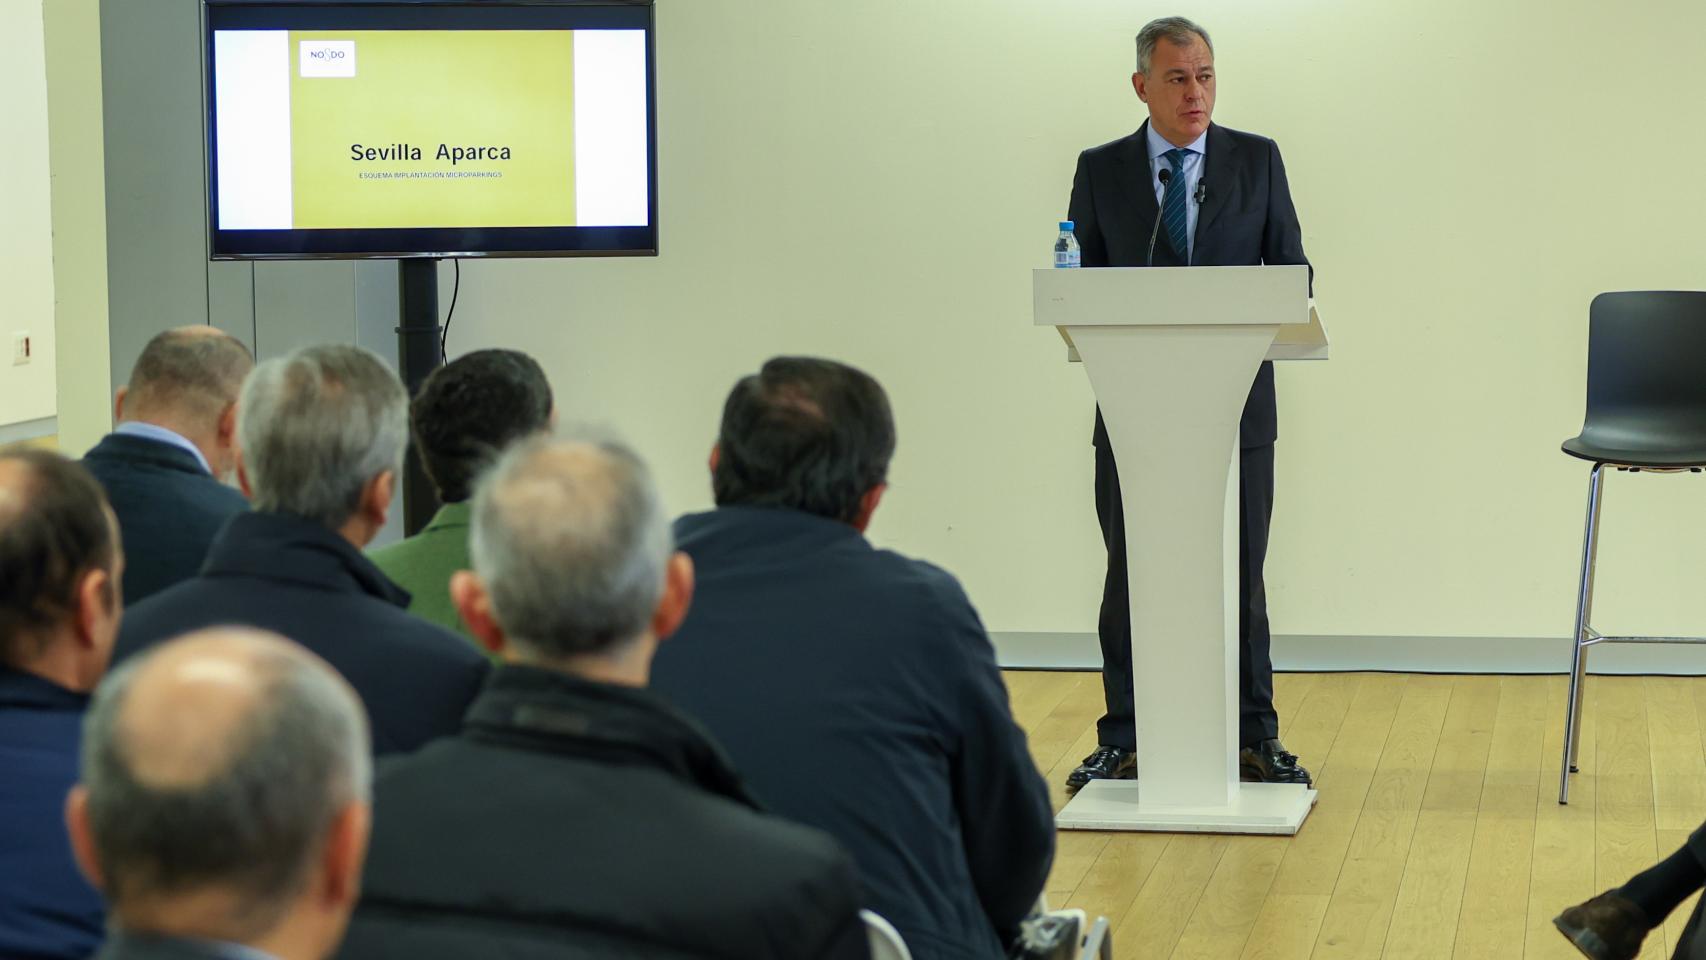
{"points": [[577, 820]]}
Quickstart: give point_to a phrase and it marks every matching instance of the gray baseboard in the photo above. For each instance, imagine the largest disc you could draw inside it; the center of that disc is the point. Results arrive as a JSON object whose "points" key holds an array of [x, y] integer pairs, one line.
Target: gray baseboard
{"points": [[28, 430], [1317, 654]]}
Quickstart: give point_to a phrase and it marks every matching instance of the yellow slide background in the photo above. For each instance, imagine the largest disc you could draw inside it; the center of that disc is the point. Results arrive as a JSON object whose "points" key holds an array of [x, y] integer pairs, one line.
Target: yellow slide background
{"points": [[511, 88]]}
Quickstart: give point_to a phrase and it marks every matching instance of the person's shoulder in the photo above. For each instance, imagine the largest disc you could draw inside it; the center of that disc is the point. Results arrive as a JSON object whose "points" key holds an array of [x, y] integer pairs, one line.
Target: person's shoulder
{"points": [[1112, 148], [1245, 139]]}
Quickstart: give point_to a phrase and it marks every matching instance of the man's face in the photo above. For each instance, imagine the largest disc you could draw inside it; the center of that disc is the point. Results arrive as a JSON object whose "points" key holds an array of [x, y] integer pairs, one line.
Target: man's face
{"points": [[1179, 89]]}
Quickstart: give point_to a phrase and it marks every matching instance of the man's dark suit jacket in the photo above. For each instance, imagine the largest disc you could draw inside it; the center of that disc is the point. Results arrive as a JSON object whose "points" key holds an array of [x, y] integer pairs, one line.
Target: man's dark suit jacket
{"points": [[857, 692], [169, 509], [297, 578], [47, 910], [574, 820], [133, 947], [1246, 218]]}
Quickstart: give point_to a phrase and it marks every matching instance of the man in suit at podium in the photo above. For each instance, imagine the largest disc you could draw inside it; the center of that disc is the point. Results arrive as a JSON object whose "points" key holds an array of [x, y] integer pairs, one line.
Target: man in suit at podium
{"points": [[1209, 196]]}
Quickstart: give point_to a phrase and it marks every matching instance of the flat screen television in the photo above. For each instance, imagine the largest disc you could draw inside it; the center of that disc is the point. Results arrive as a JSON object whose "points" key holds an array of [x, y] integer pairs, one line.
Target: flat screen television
{"points": [[430, 128]]}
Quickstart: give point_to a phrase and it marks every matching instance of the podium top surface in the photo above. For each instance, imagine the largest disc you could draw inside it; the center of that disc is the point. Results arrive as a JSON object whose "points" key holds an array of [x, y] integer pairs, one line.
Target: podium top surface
{"points": [[1171, 296]]}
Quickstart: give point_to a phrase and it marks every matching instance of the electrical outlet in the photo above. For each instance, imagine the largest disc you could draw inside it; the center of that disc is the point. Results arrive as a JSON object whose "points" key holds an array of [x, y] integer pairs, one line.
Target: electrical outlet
{"points": [[20, 347]]}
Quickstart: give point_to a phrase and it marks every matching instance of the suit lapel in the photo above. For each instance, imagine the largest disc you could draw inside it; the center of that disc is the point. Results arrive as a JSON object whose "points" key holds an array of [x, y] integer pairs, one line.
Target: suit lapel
{"points": [[1136, 190], [1220, 176]]}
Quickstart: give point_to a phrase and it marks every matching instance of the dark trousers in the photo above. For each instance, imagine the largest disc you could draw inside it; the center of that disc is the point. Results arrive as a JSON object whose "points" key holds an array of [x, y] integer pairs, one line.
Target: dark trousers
{"points": [[1256, 717]]}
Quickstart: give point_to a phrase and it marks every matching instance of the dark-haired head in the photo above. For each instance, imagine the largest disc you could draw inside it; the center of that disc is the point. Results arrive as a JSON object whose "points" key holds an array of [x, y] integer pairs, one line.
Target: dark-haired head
{"points": [[805, 434], [469, 410], [60, 559]]}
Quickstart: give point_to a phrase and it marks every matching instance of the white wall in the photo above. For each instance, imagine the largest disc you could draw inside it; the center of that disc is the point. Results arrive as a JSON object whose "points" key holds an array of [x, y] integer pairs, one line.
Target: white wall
{"points": [[873, 182], [26, 237]]}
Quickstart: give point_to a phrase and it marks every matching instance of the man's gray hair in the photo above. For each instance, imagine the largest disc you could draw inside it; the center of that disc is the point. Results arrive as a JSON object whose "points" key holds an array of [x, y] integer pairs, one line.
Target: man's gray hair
{"points": [[192, 371], [315, 426], [571, 539], [254, 821], [1174, 30]]}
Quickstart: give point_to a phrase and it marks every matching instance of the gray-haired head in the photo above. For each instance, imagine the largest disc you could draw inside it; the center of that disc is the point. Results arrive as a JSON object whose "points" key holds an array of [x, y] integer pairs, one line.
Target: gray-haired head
{"points": [[188, 373], [571, 539], [220, 762], [316, 426], [1174, 30]]}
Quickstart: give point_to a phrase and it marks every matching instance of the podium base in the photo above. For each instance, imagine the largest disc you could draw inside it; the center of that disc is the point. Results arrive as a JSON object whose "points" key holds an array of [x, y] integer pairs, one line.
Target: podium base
{"points": [[1259, 808]]}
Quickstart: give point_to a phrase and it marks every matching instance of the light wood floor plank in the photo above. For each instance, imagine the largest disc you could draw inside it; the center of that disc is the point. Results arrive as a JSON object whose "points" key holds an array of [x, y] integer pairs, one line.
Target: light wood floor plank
{"points": [[1430, 897], [1495, 893]]}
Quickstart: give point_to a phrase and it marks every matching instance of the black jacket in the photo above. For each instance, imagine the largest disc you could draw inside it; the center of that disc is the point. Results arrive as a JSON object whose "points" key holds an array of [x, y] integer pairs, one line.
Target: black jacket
{"points": [[1247, 218], [47, 910], [169, 509], [131, 947], [577, 820], [297, 578], [857, 692]]}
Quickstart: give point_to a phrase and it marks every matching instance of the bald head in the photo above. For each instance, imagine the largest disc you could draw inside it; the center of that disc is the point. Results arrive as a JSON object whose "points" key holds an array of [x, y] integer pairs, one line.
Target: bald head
{"points": [[571, 540], [219, 762]]}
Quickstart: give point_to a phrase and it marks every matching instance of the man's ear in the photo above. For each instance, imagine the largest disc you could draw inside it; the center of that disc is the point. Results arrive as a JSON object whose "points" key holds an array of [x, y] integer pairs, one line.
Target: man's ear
{"points": [[677, 596], [97, 595], [1140, 84], [227, 429], [82, 840], [243, 477], [472, 601], [868, 506], [716, 456], [376, 499], [345, 852], [118, 403]]}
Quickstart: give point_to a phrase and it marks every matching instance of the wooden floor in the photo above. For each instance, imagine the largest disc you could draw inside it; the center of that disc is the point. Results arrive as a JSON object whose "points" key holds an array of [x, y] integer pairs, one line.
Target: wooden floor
{"points": [[1438, 833]]}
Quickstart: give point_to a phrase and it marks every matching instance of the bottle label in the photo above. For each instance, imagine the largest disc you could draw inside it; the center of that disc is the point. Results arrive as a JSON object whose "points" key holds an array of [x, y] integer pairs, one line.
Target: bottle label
{"points": [[1066, 258]]}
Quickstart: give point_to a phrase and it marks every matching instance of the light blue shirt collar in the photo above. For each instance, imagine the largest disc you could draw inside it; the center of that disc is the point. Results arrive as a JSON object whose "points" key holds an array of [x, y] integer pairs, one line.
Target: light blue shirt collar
{"points": [[1158, 144], [149, 431]]}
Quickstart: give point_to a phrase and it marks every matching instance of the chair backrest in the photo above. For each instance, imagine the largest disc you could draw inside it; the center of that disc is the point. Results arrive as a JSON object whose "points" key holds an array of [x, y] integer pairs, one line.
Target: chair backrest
{"points": [[885, 940], [1647, 370]]}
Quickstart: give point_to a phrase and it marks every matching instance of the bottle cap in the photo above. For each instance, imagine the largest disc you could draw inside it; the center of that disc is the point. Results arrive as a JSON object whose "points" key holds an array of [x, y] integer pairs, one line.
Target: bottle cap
{"points": [[1065, 225]]}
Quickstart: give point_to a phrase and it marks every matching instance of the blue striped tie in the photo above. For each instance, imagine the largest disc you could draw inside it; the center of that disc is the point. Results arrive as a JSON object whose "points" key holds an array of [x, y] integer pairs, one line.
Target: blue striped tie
{"points": [[1173, 206]]}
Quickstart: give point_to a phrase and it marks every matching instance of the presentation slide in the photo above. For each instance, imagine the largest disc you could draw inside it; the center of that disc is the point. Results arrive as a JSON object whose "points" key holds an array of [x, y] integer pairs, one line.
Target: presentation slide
{"points": [[377, 129]]}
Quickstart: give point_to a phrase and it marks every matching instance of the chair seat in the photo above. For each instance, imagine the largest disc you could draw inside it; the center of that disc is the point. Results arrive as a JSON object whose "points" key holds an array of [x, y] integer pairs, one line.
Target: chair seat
{"points": [[1621, 456]]}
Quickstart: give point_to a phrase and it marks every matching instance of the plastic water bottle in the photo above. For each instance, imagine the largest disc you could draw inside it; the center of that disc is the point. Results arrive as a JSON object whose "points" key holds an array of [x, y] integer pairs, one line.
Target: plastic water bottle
{"points": [[1066, 247]]}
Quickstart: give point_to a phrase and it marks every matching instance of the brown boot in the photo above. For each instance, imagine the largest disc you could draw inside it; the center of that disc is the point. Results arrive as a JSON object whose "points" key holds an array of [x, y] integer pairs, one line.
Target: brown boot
{"points": [[1608, 927]]}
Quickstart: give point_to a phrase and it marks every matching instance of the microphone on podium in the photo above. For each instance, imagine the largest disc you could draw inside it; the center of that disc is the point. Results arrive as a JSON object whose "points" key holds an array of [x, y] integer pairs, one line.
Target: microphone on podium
{"points": [[1164, 175]]}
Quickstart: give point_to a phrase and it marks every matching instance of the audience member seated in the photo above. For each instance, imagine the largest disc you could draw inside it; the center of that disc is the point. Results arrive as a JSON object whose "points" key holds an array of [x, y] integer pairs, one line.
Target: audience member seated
{"points": [[166, 466], [321, 438], [855, 688], [463, 416], [577, 815], [223, 808], [59, 612], [1613, 925]]}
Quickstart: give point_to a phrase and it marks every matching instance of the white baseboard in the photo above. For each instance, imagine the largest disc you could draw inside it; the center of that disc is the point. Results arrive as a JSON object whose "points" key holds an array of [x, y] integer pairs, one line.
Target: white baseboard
{"points": [[1315, 654]]}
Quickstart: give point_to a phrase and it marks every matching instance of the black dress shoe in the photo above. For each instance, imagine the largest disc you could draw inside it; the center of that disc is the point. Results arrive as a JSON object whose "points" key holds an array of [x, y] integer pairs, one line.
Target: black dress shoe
{"points": [[1269, 762], [1107, 763], [1608, 927]]}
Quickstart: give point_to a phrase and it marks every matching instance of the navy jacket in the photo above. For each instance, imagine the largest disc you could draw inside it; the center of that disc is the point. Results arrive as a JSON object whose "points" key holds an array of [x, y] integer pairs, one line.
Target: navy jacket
{"points": [[574, 820], [47, 909], [169, 509], [297, 578], [1247, 218], [857, 692]]}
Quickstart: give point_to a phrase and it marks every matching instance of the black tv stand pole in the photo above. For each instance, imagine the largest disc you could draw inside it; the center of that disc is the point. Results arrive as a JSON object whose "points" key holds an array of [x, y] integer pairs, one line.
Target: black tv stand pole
{"points": [[418, 333]]}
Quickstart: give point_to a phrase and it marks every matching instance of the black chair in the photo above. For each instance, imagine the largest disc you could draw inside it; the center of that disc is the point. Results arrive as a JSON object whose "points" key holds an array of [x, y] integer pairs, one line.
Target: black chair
{"points": [[1646, 412]]}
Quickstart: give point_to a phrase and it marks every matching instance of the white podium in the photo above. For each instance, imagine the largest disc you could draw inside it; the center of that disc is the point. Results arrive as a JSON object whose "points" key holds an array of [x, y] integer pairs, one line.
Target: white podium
{"points": [[1171, 353]]}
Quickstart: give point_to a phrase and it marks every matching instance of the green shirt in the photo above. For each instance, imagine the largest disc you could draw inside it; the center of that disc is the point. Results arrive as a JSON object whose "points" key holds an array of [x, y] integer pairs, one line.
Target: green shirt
{"points": [[423, 563]]}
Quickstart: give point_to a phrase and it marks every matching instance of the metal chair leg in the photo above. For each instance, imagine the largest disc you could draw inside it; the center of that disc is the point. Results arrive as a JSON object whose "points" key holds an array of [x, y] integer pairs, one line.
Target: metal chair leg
{"points": [[1584, 616]]}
